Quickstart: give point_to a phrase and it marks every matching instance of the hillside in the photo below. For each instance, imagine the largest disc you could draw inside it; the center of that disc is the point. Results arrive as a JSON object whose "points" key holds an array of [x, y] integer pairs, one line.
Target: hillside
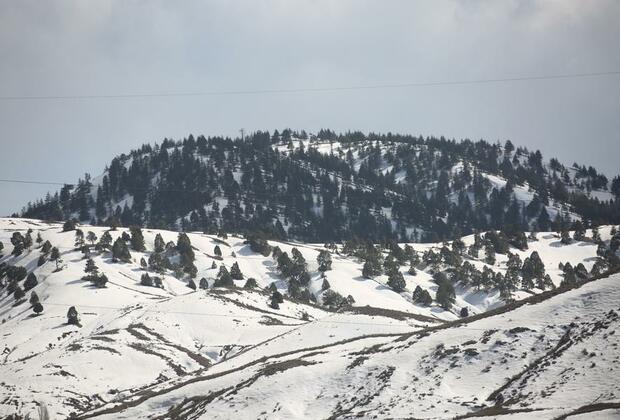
{"points": [[328, 188], [137, 342]]}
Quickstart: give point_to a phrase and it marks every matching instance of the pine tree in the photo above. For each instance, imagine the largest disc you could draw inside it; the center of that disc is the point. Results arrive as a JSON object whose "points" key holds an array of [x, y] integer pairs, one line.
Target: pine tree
{"points": [[445, 295], [120, 252], [39, 240], [217, 251], [137, 239], [203, 283], [276, 299], [73, 318], [145, 280], [184, 248], [55, 256], [213, 265], [37, 308], [325, 285], [46, 247], [570, 279], [565, 237], [105, 241], [69, 225], [235, 272], [18, 293], [100, 280], [91, 237], [324, 259], [31, 282], [250, 284], [191, 284], [79, 239], [596, 236], [34, 298], [489, 253], [91, 268], [396, 281], [159, 245], [422, 296], [224, 278], [143, 263]]}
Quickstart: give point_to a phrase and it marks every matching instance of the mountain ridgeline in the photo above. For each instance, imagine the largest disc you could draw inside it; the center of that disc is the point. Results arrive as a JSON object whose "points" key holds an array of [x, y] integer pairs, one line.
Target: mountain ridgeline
{"points": [[330, 187]]}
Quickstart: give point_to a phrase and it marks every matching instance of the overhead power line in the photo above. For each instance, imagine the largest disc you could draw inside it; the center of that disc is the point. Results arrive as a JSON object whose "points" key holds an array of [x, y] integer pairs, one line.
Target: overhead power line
{"points": [[324, 89]]}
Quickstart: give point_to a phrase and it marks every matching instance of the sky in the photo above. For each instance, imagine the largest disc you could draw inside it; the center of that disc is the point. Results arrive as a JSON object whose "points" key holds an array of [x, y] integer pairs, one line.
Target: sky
{"points": [[120, 47]]}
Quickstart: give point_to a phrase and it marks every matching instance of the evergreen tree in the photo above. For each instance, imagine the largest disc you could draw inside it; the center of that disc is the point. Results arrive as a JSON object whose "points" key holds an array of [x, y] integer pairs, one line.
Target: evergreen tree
{"points": [[224, 279], [100, 280], [145, 280], [203, 284], [489, 253], [18, 294], [91, 267], [250, 284], [565, 237], [422, 296], [34, 298], [445, 295], [120, 252], [184, 247], [39, 240], [46, 247], [91, 237], [37, 308], [276, 299], [73, 318], [191, 284], [235, 272], [159, 245], [137, 239], [55, 256], [217, 251], [325, 285], [580, 231], [396, 281], [69, 225], [79, 239], [105, 242], [570, 279], [31, 282], [324, 259]]}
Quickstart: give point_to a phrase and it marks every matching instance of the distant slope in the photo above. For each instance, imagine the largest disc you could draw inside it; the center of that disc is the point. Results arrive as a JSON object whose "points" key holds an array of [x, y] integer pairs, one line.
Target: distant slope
{"points": [[328, 187]]}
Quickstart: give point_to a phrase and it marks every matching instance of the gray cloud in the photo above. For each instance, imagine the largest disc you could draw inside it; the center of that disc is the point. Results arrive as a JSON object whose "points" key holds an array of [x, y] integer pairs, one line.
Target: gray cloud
{"points": [[75, 47]]}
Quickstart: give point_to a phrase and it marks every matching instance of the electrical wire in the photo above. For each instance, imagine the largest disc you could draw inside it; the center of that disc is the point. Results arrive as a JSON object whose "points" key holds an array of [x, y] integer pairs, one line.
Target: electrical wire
{"points": [[304, 90]]}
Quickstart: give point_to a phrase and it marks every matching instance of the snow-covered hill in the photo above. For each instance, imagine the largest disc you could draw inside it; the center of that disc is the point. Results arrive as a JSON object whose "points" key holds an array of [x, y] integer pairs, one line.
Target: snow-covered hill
{"points": [[142, 350]]}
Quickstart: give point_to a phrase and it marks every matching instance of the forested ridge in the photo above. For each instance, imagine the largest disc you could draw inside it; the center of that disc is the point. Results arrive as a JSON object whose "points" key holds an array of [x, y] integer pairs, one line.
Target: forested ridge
{"points": [[330, 187]]}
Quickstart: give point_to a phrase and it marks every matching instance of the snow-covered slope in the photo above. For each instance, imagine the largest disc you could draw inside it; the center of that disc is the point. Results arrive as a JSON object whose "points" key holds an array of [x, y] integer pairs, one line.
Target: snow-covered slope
{"points": [[136, 344], [549, 358]]}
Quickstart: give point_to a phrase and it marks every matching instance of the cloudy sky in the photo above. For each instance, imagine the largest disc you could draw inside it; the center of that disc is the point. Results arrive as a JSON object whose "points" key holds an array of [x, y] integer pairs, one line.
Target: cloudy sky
{"points": [[119, 47]]}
